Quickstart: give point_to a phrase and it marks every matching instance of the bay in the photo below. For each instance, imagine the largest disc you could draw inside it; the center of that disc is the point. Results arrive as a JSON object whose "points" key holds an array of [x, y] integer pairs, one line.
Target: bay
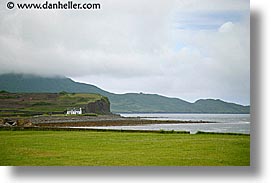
{"points": [[224, 123]]}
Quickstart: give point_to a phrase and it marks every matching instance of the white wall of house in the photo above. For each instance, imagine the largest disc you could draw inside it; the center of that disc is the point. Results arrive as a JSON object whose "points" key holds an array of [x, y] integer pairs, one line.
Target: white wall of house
{"points": [[74, 111]]}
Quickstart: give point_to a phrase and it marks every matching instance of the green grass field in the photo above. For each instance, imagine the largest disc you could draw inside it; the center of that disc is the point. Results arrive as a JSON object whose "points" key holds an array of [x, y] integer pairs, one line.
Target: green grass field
{"points": [[122, 149]]}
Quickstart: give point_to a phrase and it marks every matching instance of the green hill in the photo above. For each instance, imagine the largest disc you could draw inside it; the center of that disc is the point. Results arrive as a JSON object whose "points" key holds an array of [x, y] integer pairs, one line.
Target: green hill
{"points": [[211, 106], [129, 102], [30, 83], [26, 104]]}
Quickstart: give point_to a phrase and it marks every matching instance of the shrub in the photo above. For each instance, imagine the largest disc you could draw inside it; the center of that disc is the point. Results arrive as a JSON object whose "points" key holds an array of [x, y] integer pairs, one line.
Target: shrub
{"points": [[4, 91], [63, 93]]}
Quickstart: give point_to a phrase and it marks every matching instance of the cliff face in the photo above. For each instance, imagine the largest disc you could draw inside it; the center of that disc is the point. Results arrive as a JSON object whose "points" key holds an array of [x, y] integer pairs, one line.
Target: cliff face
{"points": [[101, 106]]}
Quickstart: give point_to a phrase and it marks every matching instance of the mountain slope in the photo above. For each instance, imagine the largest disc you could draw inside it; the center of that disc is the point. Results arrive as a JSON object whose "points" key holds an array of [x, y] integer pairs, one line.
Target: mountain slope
{"points": [[130, 102], [31, 83], [211, 105], [148, 103]]}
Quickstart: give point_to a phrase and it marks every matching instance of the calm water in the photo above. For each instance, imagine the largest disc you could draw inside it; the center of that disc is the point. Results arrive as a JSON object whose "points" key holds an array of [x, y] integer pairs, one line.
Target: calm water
{"points": [[222, 118], [225, 123]]}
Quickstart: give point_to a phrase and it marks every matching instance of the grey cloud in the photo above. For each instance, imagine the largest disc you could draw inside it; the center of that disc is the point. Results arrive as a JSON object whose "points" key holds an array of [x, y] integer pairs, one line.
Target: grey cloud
{"points": [[132, 45]]}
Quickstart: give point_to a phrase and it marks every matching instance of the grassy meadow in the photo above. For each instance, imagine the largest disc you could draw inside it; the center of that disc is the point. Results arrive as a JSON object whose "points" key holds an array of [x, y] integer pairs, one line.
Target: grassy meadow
{"points": [[91, 148], [29, 104]]}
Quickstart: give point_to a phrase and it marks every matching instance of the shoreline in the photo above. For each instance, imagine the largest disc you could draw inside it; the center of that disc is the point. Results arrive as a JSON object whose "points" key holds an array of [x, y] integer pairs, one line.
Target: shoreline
{"points": [[36, 128], [128, 122], [115, 122], [109, 120]]}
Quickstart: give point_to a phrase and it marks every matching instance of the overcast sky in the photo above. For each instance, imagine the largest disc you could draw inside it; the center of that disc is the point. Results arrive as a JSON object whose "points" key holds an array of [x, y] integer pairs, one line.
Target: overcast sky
{"points": [[188, 49]]}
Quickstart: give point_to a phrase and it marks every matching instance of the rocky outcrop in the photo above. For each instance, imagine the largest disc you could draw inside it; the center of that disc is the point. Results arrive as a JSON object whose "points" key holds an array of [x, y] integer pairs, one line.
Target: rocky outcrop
{"points": [[101, 106], [15, 122]]}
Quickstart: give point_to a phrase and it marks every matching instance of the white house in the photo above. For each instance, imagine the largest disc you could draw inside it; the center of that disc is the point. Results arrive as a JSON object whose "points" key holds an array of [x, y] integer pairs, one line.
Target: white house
{"points": [[74, 111]]}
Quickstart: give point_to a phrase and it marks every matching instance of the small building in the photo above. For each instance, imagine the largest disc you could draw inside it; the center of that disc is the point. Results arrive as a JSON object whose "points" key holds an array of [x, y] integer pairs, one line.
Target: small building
{"points": [[10, 122], [74, 111]]}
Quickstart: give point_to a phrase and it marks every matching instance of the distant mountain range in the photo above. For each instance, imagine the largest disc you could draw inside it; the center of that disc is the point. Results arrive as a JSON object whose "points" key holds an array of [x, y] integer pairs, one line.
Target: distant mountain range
{"points": [[129, 102]]}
